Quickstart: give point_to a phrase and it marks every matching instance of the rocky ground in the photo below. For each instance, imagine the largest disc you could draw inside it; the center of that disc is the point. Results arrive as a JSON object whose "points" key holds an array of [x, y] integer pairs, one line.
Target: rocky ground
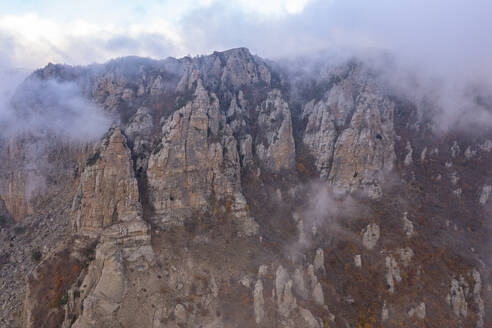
{"points": [[229, 193]]}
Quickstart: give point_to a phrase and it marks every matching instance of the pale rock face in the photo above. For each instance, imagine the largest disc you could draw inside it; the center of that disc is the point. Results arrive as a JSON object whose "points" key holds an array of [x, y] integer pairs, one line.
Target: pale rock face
{"points": [[406, 255], [319, 261], [456, 297], [258, 301], [455, 149], [286, 301], [198, 159], [409, 157], [312, 278], [323, 119], [477, 297], [365, 152], [309, 318], [246, 150], [108, 190], [108, 279], [240, 69], [358, 260], [318, 295], [484, 194], [300, 284], [407, 225], [457, 192], [16, 199], [392, 273], [469, 153], [384, 312], [418, 311], [180, 313], [139, 132], [422, 155], [370, 235], [262, 270], [453, 176], [486, 146], [350, 134], [245, 282], [320, 135], [275, 145]]}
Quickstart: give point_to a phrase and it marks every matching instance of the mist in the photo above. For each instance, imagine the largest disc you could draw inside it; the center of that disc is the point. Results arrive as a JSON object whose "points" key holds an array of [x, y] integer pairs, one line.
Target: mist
{"points": [[435, 53], [326, 213], [49, 107]]}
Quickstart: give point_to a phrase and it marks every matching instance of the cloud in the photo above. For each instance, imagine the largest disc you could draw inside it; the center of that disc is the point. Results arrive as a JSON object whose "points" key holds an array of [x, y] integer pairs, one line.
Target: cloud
{"points": [[440, 50], [51, 108], [435, 52], [325, 215]]}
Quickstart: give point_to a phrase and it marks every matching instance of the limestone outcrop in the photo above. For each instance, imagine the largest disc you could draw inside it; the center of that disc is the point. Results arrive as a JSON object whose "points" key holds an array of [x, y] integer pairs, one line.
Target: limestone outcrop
{"points": [[231, 191], [108, 191], [275, 143], [196, 165], [351, 135]]}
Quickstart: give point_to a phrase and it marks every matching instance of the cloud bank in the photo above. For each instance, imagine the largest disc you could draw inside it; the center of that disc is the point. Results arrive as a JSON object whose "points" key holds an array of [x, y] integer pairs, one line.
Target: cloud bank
{"points": [[439, 50]]}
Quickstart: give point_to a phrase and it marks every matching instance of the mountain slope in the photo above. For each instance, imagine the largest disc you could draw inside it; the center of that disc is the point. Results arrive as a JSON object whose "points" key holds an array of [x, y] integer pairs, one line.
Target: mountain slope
{"points": [[230, 192]]}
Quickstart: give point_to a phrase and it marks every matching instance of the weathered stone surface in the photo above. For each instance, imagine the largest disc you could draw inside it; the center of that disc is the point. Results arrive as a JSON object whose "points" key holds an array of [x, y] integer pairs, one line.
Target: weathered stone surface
{"points": [[226, 151], [350, 132], [107, 281], [477, 297], [140, 131], [319, 261], [258, 301], [324, 118], [300, 284], [407, 225], [406, 255], [418, 311], [108, 190], [392, 273], [309, 318], [484, 194], [456, 297], [275, 145], [286, 300], [364, 152], [370, 235], [196, 165], [16, 198]]}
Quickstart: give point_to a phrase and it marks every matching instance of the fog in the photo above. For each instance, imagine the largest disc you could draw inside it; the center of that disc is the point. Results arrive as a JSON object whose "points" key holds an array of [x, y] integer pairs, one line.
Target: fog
{"points": [[434, 52]]}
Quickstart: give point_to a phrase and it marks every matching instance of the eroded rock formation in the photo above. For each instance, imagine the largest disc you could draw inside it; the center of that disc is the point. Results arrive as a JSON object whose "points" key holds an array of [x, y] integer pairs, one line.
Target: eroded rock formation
{"points": [[196, 209]]}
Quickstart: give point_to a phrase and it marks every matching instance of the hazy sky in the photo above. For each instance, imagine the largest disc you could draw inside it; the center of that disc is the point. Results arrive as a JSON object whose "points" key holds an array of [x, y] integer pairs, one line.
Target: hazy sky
{"points": [[447, 43], [34, 32]]}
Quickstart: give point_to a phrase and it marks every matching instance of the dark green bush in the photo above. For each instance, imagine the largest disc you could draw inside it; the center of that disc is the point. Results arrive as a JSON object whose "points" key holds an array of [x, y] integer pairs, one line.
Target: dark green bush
{"points": [[93, 159], [36, 255]]}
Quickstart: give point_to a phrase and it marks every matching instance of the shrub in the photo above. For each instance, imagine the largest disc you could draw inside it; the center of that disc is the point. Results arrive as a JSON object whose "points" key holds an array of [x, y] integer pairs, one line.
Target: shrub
{"points": [[93, 159], [36, 255], [19, 230], [62, 299]]}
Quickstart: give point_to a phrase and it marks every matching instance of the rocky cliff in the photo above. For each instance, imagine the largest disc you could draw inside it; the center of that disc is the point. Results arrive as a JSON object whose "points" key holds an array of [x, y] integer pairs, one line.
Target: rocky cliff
{"points": [[229, 192]]}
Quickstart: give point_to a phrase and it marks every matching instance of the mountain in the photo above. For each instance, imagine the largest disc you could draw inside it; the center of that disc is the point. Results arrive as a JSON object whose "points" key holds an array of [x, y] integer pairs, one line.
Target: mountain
{"points": [[232, 191]]}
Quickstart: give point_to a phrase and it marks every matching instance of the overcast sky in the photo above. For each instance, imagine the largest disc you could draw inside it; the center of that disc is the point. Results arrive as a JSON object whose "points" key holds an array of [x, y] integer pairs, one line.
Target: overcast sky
{"points": [[444, 42], [35, 32]]}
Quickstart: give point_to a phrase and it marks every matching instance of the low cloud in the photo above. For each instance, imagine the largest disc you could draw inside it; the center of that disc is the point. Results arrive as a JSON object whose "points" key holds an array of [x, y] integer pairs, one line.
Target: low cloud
{"points": [[51, 108], [437, 54], [326, 213]]}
